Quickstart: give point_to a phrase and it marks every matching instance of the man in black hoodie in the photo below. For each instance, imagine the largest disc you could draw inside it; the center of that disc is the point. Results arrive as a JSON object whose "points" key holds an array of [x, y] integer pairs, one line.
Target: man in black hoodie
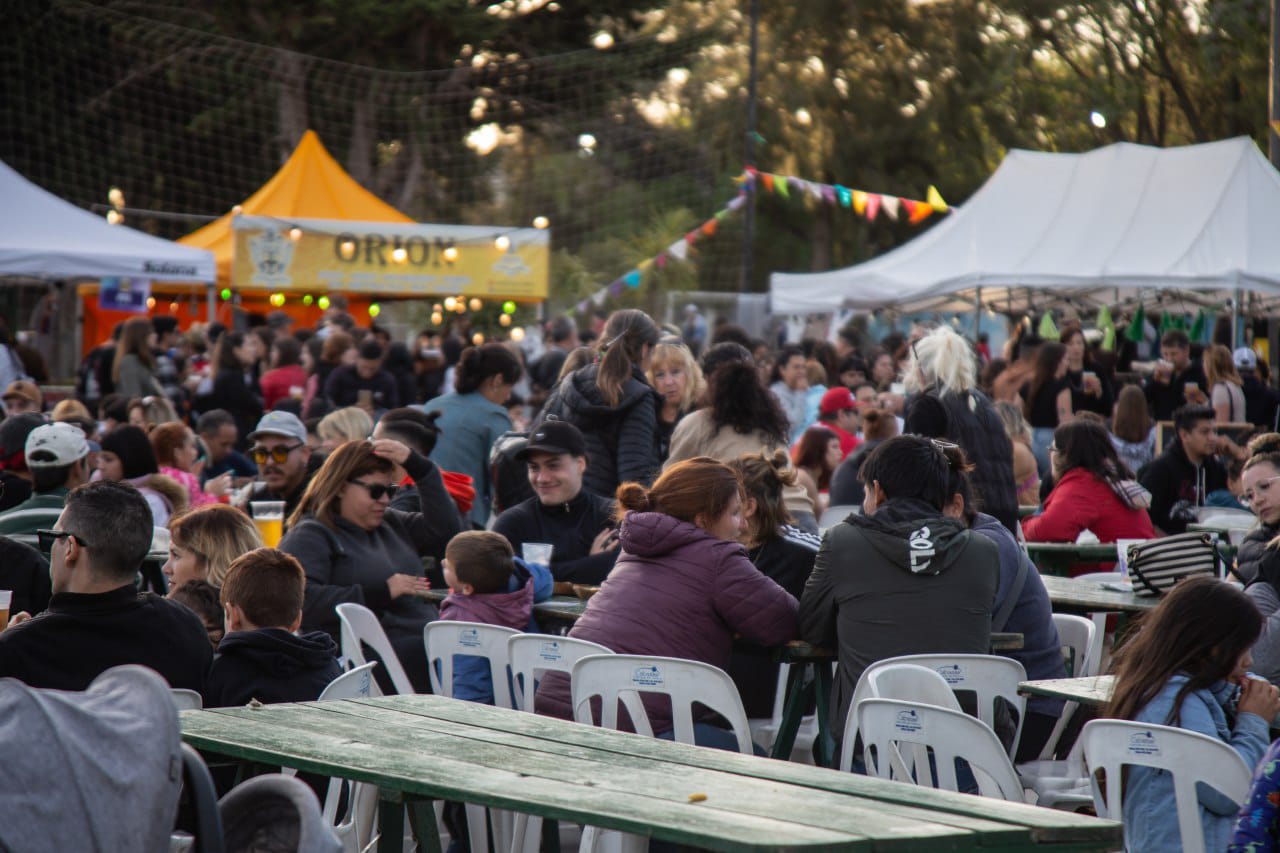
{"points": [[901, 579], [262, 657], [1182, 476]]}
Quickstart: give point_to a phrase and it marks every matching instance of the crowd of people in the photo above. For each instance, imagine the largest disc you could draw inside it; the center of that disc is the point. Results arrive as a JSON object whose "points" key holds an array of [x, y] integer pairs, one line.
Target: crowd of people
{"points": [[726, 493]]}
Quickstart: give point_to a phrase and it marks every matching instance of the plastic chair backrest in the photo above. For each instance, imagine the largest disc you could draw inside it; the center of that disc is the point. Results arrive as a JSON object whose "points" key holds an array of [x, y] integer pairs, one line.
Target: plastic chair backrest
{"points": [[446, 639], [948, 734], [1079, 636], [186, 700], [908, 682], [204, 802], [833, 515], [624, 678], [530, 655], [357, 683], [361, 625], [1189, 757], [988, 676]]}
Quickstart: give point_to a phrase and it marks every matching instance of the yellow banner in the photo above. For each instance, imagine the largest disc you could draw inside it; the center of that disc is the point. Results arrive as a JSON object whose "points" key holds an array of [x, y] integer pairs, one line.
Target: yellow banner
{"points": [[390, 259]]}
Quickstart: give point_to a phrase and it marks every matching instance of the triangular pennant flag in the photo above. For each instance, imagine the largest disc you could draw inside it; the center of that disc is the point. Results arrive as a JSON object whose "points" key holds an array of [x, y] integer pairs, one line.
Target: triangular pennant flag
{"points": [[1104, 319], [828, 194], [1109, 339], [890, 204], [917, 211], [709, 227], [846, 197], [720, 216], [582, 306], [814, 191], [597, 298], [780, 185], [1166, 322], [1197, 328], [873, 206], [736, 202], [645, 265], [661, 261], [678, 250], [935, 200], [767, 180], [1180, 322], [1136, 330], [859, 202], [615, 289], [632, 279], [1048, 331], [692, 237], [742, 179]]}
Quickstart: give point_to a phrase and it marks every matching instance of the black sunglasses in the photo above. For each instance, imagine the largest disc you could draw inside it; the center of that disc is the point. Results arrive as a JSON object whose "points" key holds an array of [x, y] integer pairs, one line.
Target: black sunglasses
{"points": [[46, 538], [376, 490], [279, 454]]}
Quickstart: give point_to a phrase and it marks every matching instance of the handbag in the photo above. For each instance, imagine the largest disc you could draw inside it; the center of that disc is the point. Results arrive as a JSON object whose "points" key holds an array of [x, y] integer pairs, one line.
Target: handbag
{"points": [[1159, 564]]}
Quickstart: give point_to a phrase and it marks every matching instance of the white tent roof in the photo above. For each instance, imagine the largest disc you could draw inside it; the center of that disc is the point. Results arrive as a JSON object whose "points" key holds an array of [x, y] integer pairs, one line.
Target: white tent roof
{"points": [[45, 237], [1200, 217]]}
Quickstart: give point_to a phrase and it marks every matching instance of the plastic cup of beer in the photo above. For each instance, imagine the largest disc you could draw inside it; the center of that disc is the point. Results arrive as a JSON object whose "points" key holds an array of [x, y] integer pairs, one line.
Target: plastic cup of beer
{"points": [[1190, 388], [268, 517], [6, 598]]}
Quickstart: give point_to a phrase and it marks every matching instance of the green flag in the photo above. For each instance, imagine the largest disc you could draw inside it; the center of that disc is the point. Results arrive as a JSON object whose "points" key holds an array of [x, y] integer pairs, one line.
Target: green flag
{"points": [[1197, 328], [1048, 331], [1104, 319], [1109, 339], [1137, 326]]}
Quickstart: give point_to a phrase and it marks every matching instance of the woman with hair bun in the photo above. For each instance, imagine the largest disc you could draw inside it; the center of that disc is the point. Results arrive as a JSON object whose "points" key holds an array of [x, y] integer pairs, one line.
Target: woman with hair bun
{"points": [[683, 585], [473, 416], [613, 405]]}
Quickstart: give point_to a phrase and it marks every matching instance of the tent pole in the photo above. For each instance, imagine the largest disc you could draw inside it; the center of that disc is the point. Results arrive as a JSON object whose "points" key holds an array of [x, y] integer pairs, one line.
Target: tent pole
{"points": [[211, 300], [1237, 320], [977, 314]]}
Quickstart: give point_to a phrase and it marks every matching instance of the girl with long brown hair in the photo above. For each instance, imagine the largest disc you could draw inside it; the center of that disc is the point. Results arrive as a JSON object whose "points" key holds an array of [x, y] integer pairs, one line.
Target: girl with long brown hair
{"points": [[682, 586], [133, 370], [1187, 667], [1133, 432], [1047, 398]]}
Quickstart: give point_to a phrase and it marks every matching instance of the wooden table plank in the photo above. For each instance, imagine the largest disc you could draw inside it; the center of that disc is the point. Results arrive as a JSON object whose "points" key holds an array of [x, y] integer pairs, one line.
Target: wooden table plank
{"points": [[1049, 825], [1094, 690], [1087, 596]]}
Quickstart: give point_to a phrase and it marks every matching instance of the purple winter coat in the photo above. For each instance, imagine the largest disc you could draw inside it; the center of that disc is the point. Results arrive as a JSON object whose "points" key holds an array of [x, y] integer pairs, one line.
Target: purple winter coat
{"points": [[676, 591]]}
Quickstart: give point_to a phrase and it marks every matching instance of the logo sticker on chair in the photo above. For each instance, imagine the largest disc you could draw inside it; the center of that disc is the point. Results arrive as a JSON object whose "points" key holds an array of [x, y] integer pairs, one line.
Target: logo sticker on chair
{"points": [[1143, 743], [469, 637], [908, 722], [952, 673], [647, 676], [365, 681], [550, 650]]}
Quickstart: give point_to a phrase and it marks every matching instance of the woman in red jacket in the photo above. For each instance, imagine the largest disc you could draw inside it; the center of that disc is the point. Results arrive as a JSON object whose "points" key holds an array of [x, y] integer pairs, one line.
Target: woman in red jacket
{"points": [[1093, 490]]}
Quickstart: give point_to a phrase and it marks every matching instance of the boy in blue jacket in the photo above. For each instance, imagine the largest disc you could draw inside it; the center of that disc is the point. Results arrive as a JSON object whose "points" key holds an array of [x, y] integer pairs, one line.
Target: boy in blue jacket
{"points": [[490, 585]]}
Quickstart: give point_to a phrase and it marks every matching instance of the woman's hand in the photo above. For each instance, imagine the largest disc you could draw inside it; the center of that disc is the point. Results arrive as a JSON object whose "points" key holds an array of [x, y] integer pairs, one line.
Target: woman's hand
{"points": [[1259, 697], [402, 584], [389, 448], [1092, 386], [219, 485]]}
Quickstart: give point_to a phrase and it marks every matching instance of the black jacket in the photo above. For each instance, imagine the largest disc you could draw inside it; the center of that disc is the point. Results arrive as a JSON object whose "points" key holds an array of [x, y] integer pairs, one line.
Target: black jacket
{"points": [[1177, 487], [1260, 401], [270, 665], [622, 440], [233, 392], [846, 484], [82, 635], [344, 384], [1254, 560], [24, 571], [569, 528], [970, 421], [902, 581], [1165, 397]]}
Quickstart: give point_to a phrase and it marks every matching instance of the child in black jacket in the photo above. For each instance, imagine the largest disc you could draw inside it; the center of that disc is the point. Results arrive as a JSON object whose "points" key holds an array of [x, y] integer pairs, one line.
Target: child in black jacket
{"points": [[261, 657]]}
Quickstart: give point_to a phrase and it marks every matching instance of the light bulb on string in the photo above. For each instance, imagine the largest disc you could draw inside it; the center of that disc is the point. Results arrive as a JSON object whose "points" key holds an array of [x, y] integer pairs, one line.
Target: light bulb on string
{"points": [[477, 339], [504, 319], [116, 197], [502, 242], [437, 308], [509, 307], [173, 308], [475, 303], [295, 234], [323, 302], [517, 334], [114, 217], [450, 303], [541, 222], [225, 294], [375, 309], [236, 210], [348, 249], [450, 254], [308, 299], [151, 303], [277, 299], [399, 254], [436, 318]]}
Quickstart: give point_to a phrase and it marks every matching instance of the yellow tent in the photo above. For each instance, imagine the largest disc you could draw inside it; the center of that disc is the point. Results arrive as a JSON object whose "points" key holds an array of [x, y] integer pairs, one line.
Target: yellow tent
{"points": [[311, 185]]}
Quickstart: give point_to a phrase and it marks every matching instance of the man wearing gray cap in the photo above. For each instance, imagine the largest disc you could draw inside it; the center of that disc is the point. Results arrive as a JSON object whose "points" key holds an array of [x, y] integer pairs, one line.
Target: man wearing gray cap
{"points": [[58, 458], [284, 461]]}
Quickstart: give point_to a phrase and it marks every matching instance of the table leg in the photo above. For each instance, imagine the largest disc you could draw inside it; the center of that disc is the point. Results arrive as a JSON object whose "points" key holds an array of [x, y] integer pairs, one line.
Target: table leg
{"points": [[799, 691], [822, 692], [422, 820], [391, 822]]}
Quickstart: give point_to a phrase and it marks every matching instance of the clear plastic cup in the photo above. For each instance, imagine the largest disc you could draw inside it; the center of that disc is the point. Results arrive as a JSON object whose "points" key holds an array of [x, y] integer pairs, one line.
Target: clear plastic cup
{"points": [[268, 517]]}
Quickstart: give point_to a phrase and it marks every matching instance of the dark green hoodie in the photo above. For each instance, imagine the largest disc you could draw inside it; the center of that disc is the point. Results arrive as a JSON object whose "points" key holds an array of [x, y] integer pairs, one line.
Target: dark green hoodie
{"points": [[903, 581]]}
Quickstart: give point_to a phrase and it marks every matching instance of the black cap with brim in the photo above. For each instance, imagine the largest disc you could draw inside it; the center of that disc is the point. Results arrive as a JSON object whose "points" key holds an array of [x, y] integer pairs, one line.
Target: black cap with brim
{"points": [[555, 437]]}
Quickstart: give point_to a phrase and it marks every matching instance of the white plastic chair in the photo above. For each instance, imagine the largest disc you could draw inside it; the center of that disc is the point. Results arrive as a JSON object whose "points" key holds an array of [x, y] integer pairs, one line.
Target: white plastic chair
{"points": [[356, 828], [764, 730], [531, 655], [361, 625], [625, 678], [907, 682], [987, 676], [949, 735], [833, 515], [1189, 757], [444, 640], [186, 700]]}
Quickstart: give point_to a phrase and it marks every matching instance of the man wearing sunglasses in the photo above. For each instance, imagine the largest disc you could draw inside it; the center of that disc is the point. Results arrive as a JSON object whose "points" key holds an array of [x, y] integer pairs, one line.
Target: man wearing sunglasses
{"points": [[279, 449], [97, 619]]}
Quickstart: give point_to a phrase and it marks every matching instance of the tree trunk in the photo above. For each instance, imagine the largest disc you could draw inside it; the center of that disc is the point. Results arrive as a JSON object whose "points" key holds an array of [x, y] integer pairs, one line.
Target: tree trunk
{"points": [[360, 154], [291, 100]]}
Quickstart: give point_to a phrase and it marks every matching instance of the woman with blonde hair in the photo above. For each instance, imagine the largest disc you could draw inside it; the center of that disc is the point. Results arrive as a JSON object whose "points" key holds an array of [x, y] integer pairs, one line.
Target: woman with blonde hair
{"points": [[149, 412], [1226, 391], [355, 548], [203, 542], [683, 585], [349, 424], [133, 370], [676, 377], [1025, 472], [944, 402]]}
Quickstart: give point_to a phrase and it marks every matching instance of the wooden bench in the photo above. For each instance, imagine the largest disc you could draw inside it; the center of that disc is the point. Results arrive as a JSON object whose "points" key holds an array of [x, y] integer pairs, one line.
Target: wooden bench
{"points": [[417, 749]]}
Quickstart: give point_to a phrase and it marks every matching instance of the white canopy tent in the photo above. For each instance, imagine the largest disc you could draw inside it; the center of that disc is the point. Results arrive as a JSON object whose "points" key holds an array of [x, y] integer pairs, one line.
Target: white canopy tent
{"points": [[1200, 217], [42, 236]]}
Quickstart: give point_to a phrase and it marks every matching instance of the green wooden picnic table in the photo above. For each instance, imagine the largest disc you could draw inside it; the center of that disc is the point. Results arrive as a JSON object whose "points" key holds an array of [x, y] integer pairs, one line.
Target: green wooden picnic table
{"points": [[421, 748], [1057, 558], [1094, 691], [1075, 595]]}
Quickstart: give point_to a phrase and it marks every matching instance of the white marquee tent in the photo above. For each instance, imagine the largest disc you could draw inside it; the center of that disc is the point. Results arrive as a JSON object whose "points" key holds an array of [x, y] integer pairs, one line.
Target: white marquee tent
{"points": [[42, 236], [1199, 217]]}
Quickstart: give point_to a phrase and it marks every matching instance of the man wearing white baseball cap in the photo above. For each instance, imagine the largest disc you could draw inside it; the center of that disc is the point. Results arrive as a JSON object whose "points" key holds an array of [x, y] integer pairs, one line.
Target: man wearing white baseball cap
{"points": [[57, 456], [1260, 400]]}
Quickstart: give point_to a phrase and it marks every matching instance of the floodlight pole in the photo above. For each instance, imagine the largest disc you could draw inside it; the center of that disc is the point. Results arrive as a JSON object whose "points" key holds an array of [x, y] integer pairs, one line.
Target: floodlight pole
{"points": [[749, 221]]}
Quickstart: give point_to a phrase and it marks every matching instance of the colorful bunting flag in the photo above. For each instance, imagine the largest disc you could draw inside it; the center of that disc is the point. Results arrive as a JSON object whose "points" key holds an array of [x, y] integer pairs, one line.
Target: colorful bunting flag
{"points": [[1197, 328], [934, 198], [873, 206], [859, 202], [1104, 319], [1136, 331], [767, 180], [889, 203], [780, 186], [632, 279], [1048, 331], [1109, 339]]}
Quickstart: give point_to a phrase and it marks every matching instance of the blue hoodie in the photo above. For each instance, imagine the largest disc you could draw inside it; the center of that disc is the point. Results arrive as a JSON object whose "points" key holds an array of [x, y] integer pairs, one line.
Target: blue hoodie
{"points": [[529, 584], [1149, 809]]}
